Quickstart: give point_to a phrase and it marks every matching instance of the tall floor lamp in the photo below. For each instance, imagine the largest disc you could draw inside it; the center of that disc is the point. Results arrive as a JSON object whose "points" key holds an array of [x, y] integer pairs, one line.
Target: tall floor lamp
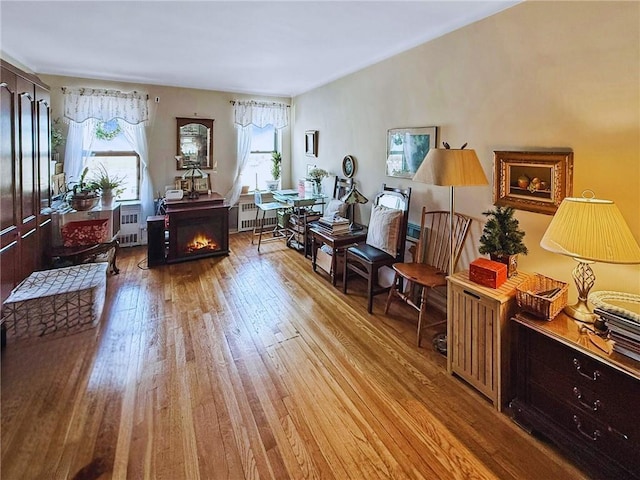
{"points": [[451, 168]]}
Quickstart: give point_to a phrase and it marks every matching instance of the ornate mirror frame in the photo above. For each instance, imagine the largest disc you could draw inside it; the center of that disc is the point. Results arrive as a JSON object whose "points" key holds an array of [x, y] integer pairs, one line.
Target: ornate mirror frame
{"points": [[196, 133]]}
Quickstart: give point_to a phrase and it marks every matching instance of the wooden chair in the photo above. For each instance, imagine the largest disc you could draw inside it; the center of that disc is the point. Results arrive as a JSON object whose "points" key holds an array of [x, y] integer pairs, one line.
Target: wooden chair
{"points": [[278, 231], [366, 259], [431, 265]]}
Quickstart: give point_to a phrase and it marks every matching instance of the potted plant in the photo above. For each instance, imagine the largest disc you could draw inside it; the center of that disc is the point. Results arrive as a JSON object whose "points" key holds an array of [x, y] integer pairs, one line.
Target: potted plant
{"points": [[82, 195], [276, 161], [316, 175], [502, 238], [107, 185]]}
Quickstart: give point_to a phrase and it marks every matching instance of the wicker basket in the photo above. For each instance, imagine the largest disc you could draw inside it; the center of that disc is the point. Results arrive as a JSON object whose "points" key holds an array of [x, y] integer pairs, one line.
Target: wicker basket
{"points": [[543, 307]]}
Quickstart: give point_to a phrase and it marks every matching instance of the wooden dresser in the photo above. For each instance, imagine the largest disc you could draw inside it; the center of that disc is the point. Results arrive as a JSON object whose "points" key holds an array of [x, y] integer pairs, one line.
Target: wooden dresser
{"points": [[584, 400]]}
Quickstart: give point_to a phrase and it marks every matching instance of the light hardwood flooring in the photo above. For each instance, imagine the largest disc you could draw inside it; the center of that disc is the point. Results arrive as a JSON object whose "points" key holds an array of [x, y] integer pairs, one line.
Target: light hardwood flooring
{"points": [[250, 366]]}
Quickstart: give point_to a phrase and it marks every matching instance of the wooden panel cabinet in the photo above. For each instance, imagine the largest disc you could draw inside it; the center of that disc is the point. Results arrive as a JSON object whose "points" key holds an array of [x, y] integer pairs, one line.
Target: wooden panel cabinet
{"points": [[582, 398], [479, 341], [25, 231]]}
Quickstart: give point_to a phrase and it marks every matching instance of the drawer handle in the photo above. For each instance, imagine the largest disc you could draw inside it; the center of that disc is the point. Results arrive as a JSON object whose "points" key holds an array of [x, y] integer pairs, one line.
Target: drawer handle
{"points": [[467, 292], [617, 432], [578, 365], [593, 437], [596, 405]]}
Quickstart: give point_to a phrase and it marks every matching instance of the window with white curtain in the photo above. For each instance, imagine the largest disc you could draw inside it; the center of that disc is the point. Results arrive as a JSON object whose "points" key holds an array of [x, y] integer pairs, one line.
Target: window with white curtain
{"points": [[264, 141]]}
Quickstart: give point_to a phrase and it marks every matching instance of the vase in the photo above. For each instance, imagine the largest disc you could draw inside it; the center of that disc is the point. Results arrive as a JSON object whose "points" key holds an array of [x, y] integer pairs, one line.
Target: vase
{"points": [[511, 261], [317, 188], [106, 199]]}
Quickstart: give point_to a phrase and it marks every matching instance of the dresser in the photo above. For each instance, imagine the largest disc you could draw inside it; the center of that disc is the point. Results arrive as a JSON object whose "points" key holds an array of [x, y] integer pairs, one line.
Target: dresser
{"points": [[583, 399], [479, 340]]}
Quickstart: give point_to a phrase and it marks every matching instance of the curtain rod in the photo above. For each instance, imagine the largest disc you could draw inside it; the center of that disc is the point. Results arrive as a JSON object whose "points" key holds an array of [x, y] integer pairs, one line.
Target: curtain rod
{"points": [[233, 102], [64, 89]]}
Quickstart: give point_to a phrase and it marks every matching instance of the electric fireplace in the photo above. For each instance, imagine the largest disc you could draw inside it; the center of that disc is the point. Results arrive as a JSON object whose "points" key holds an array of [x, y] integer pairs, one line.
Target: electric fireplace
{"points": [[197, 228]]}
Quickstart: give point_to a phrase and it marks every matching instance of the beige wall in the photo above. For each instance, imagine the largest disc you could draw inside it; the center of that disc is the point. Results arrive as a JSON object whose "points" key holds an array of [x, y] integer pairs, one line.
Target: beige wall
{"points": [[161, 132], [540, 75]]}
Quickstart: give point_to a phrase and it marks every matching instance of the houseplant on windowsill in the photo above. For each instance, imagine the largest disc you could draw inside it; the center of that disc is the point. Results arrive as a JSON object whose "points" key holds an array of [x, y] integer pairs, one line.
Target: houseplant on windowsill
{"points": [[276, 161], [107, 185], [502, 238], [82, 195]]}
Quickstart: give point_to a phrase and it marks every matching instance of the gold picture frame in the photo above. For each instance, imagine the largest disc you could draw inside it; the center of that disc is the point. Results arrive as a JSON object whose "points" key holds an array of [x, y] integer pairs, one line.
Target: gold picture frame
{"points": [[532, 181], [311, 143]]}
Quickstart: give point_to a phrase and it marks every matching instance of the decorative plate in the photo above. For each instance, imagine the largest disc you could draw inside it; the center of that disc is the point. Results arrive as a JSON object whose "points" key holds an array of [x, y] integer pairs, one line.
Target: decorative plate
{"points": [[348, 166]]}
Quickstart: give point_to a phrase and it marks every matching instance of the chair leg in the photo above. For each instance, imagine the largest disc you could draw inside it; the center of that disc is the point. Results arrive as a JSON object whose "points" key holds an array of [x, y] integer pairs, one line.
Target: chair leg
{"points": [[344, 272], [370, 284], [264, 213], [392, 292], [255, 225], [423, 310]]}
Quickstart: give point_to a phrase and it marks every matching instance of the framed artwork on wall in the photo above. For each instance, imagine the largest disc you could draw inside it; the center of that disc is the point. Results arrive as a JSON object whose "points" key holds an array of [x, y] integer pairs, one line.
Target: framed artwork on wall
{"points": [[311, 143], [348, 166], [406, 149], [194, 143], [533, 181]]}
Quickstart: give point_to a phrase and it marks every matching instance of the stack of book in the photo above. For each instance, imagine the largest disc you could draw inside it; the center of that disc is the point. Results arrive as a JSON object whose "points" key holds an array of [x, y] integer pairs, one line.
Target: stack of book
{"points": [[334, 225], [624, 331]]}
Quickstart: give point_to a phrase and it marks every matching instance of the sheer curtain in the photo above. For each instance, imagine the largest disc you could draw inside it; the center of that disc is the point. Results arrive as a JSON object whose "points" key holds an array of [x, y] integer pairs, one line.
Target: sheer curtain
{"points": [[85, 107], [246, 114]]}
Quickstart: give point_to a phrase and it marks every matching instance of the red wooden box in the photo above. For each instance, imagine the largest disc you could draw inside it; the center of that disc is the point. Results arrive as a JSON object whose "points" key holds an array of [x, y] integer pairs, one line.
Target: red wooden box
{"points": [[487, 272]]}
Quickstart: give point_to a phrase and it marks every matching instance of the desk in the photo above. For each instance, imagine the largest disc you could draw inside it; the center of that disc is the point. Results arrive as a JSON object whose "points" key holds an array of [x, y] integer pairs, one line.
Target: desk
{"points": [[301, 215], [337, 243]]}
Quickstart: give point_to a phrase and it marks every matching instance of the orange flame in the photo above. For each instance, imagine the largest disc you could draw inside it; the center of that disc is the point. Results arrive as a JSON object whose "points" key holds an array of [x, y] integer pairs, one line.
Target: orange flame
{"points": [[201, 242]]}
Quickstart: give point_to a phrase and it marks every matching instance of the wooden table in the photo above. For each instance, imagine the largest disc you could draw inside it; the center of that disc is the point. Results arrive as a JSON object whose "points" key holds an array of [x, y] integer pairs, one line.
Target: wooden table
{"points": [[83, 253], [337, 243]]}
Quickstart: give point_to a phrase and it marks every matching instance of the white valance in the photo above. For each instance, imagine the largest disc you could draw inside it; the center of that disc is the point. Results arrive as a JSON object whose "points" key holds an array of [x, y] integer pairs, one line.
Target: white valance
{"points": [[81, 104], [260, 114]]}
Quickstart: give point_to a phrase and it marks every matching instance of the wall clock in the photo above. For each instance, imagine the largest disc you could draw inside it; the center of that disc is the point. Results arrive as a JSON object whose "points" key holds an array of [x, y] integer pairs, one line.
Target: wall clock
{"points": [[348, 166]]}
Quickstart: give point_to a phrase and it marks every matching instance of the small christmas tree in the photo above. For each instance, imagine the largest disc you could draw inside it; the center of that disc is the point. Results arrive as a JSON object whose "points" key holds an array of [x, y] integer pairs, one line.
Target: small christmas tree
{"points": [[501, 236]]}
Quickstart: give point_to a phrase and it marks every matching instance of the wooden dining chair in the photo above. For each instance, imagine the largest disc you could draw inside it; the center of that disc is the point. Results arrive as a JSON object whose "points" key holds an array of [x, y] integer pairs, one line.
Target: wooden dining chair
{"points": [[431, 265], [386, 238]]}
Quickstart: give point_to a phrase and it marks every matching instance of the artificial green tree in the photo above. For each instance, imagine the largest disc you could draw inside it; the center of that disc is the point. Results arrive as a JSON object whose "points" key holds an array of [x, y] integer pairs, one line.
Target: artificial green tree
{"points": [[501, 235]]}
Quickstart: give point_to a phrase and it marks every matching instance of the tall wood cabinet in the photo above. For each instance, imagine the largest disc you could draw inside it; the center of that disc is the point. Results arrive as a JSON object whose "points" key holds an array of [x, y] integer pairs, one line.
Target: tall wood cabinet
{"points": [[25, 185]]}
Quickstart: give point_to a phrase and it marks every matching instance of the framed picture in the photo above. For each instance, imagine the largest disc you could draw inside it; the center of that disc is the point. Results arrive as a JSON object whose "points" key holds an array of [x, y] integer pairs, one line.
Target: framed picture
{"points": [[348, 166], [183, 184], [533, 181], [194, 143], [311, 143], [406, 149]]}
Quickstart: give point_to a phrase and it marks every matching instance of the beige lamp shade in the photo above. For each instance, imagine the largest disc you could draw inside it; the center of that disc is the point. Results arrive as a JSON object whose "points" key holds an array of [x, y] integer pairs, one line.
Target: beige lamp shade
{"points": [[452, 168], [591, 229]]}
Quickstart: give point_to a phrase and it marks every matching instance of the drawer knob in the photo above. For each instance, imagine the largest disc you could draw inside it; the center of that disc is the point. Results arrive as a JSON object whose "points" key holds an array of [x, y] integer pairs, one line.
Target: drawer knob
{"points": [[594, 376], [596, 405], [593, 436]]}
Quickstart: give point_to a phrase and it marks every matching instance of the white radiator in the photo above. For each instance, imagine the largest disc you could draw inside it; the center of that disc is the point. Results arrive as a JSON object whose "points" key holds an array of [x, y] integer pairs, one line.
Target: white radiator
{"points": [[132, 229], [247, 216]]}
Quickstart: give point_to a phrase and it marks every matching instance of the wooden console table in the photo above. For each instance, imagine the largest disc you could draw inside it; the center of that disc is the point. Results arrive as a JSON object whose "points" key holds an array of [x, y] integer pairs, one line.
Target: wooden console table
{"points": [[337, 243]]}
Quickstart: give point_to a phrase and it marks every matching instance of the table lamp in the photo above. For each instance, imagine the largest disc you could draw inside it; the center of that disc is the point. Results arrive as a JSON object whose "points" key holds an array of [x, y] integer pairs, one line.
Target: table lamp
{"points": [[589, 230], [451, 168], [193, 171], [352, 197]]}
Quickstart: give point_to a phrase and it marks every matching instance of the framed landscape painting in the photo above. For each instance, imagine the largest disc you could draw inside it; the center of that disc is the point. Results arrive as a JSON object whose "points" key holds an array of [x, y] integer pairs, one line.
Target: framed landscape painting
{"points": [[406, 149]]}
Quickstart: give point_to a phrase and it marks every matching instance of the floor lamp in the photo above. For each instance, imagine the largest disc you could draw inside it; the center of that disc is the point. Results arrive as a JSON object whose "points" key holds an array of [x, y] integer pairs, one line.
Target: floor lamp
{"points": [[451, 168]]}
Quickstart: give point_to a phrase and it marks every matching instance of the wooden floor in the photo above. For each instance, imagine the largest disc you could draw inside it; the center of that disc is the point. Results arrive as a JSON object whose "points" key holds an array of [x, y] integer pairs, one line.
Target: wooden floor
{"points": [[244, 367]]}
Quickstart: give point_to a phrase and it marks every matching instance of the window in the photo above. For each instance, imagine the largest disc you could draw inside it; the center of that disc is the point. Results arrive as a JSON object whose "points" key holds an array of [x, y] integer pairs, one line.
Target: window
{"points": [[124, 165], [264, 141], [110, 148]]}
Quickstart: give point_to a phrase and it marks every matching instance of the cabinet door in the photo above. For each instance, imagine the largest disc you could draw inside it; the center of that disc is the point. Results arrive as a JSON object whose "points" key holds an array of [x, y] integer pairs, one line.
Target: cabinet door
{"points": [[43, 175], [474, 320], [27, 225], [8, 206]]}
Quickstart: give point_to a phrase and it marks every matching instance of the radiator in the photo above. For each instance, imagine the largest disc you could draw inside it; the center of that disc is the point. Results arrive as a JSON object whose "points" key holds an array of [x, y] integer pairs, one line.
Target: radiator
{"points": [[132, 230], [247, 216]]}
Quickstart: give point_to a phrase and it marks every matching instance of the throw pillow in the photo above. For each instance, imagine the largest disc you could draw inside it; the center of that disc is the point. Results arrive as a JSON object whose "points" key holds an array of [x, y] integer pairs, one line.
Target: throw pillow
{"points": [[85, 232], [334, 207], [384, 229]]}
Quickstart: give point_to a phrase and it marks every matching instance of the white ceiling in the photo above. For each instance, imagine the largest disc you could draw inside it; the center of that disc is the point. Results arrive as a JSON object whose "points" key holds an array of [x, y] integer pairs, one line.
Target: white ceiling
{"points": [[260, 47]]}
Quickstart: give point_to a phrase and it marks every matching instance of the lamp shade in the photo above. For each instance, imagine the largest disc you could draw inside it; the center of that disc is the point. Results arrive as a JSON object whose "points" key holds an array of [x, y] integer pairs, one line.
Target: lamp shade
{"points": [[451, 167], [591, 229], [354, 196]]}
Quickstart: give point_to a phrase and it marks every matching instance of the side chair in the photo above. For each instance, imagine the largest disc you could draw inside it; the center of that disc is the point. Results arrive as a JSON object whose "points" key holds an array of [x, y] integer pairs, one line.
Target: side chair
{"points": [[385, 243], [431, 265], [278, 231]]}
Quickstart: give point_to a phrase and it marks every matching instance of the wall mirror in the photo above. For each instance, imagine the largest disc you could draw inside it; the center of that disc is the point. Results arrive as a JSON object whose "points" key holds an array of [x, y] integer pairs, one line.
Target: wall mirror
{"points": [[195, 143]]}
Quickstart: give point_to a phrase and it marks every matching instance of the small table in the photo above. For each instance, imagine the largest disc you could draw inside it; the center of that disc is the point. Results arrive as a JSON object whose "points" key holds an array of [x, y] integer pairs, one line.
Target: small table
{"points": [[83, 253], [337, 243]]}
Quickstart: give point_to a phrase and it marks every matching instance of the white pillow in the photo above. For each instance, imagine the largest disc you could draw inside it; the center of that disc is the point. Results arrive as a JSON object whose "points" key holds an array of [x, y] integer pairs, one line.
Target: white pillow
{"points": [[335, 206], [384, 229]]}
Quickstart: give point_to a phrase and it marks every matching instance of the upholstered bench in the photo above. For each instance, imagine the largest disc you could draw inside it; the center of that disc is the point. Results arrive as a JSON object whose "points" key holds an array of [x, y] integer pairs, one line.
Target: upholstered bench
{"points": [[63, 300]]}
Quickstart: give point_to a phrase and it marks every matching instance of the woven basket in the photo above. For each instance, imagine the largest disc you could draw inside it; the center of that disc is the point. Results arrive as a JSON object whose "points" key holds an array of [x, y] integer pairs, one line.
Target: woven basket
{"points": [[543, 307]]}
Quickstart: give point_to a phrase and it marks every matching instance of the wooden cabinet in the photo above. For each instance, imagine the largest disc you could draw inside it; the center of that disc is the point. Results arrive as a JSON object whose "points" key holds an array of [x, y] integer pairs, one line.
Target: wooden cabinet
{"points": [[25, 223], [479, 340], [582, 398]]}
